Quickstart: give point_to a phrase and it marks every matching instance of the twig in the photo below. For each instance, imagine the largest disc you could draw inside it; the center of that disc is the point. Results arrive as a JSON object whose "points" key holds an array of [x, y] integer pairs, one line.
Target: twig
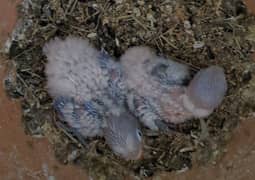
{"points": [[169, 43], [141, 24], [63, 128], [31, 73], [204, 130], [23, 52], [124, 17], [218, 5], [22, 80], [70, 3], [74, 5]]}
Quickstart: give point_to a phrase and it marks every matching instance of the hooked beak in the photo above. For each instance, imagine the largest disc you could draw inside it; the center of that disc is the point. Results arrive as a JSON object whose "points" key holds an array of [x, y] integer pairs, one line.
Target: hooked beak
{"points": [[140, 154]]}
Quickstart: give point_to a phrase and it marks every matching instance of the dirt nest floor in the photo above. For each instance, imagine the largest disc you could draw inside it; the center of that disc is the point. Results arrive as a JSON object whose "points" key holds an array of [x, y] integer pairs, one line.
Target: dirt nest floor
{"points": [[198, 33]]}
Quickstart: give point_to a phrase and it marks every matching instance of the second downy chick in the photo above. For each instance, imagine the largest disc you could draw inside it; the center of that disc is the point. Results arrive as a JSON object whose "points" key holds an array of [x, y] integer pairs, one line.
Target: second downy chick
{"points": [[89, 94], [159, 93]]}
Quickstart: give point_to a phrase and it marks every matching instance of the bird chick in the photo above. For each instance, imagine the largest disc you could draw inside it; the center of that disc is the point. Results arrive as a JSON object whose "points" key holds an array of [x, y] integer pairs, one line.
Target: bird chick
{"points": [[89, 94], [159, 93]]}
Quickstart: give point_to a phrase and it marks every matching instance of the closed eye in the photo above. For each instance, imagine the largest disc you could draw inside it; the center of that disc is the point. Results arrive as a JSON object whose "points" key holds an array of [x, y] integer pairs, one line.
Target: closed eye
{"points": [[159, 71], [139, 134]]}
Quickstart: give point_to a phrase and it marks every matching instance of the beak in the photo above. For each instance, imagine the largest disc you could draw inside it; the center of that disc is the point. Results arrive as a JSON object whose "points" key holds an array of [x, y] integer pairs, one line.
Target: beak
{"points": [[140, 154]]}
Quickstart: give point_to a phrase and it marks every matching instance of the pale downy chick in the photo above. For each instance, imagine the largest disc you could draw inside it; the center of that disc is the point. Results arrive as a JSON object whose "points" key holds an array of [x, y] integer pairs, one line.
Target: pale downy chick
{"points": [[89, 94], [158, 88]]}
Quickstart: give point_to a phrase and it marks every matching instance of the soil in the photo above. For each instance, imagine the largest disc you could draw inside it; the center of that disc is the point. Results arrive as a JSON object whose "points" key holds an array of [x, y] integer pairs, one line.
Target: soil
{"points": [[228, 152]]}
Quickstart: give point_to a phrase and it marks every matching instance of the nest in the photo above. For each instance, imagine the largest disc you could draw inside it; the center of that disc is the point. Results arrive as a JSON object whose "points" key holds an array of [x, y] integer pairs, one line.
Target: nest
{"points": [[198, 33]]}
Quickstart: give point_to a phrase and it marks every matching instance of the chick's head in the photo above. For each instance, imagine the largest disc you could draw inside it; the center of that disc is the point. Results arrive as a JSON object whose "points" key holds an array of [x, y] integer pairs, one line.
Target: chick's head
{"points": [[122, 133], [205, 91]]}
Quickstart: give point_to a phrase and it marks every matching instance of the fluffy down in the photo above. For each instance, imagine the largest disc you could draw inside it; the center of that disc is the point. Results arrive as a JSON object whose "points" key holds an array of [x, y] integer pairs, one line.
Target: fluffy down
{"points": [[159, 91], [89, 93]]}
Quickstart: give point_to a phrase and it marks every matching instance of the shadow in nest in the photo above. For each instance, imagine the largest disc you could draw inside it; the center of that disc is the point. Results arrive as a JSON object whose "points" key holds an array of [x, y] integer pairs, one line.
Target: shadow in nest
{"points": [[197, 33]]}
